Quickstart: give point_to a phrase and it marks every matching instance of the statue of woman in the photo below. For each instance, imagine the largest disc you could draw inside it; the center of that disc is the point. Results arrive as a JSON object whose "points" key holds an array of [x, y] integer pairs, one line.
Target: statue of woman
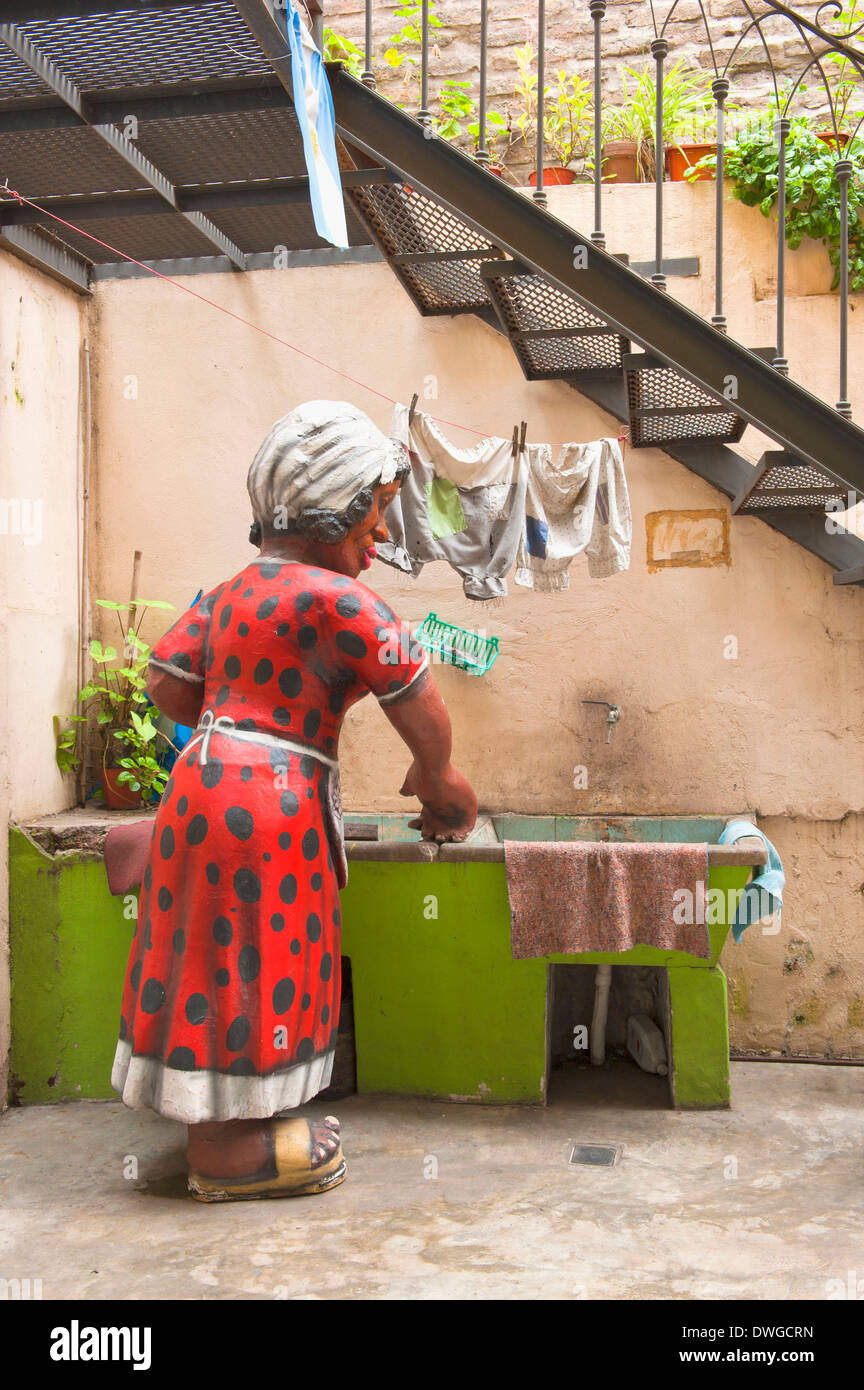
{"points": [[231, 1004]]}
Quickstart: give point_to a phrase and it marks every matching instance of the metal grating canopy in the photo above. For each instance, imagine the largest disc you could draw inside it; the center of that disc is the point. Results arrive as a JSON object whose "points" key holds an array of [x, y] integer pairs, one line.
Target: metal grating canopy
{"points": [[666, 408], [781, 482], [553, 335], [143, 108]]}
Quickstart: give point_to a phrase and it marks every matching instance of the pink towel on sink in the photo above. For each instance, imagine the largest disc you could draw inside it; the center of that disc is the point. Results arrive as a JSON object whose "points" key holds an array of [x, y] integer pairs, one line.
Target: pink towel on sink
{"points": [[570, 896]]}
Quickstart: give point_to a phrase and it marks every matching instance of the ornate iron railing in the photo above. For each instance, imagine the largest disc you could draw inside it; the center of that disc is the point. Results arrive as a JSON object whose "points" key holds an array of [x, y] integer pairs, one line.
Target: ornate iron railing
{"points": [[820, 52]]}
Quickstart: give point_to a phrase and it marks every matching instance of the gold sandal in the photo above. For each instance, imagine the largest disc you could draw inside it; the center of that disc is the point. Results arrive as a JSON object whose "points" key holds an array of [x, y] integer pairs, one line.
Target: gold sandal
{"points": [[289, 1174]]}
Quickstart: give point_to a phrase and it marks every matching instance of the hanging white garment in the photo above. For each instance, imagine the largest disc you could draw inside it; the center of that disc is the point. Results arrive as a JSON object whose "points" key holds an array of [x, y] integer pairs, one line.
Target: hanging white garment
{"points": [[465, 506], [578, 502]]}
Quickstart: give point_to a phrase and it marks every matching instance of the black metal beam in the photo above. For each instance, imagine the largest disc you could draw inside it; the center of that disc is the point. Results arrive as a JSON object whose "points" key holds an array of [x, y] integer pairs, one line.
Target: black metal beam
{"points": [[779, 407], [270, 32], [171, 101], [44, 11], [51, 75], [55, 260], [189, 198], [256, 260]]}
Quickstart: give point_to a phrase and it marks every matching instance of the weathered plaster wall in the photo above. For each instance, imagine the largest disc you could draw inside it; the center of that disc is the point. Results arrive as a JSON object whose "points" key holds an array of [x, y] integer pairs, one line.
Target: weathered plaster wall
{"points": [[183, 397], [40, 339]]}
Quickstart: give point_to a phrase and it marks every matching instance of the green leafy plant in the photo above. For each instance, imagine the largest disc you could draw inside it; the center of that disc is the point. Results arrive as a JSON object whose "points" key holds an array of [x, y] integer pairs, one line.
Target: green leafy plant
{"points": [[686, 109], [499, 135], [339, 49], [846, 90], [568, 110], [752, 163], [117, 720]]}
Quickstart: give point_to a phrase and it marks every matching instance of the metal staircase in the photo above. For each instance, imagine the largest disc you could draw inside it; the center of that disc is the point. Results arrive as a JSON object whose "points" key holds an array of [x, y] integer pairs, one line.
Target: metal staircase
{"points": [[462, 241]]}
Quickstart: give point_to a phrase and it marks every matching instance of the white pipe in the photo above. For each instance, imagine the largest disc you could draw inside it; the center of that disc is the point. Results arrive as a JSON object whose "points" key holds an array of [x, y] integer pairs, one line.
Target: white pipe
{"points": [[602, 981]]}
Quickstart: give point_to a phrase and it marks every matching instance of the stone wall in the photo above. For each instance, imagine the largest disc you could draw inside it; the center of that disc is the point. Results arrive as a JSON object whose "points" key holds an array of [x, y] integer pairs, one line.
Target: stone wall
{"points": [[627, 35]]}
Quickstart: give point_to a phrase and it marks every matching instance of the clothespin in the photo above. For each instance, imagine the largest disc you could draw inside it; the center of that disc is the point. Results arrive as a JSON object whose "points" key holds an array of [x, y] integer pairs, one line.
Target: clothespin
{"points": [[515, 441], [623, 438], [522, 433], [413, 406]]}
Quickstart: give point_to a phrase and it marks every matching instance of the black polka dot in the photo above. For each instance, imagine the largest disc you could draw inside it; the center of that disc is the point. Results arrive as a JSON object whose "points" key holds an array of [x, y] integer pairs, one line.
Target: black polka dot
{"points": [[309, 792], [135, 975], [239, 821], [179, 941], [288, 889], [308, 766], [290, 682], [277, 921], [148, 937], [282, 716], [348, 606], [169, 787], [384, 612], [325, 1014], [242, 1066], [180, 660], [316, 881], [223, 931], [211, 657], [283, 995], [196, 832], [222, 977], [247, 886], [197, 1008], [236, 585], [295, 948], [307, 636], [310, 844], [312, 723], [269, 571], [182, 1059], [305, 1002], [232, 667], [313, 926], [123, 1028], [326, 966], [212, 872], [245, 774], [350, 643], [283, 629], [211, 775], [289, 804], [222, 695], [182, 805], [337, 916], [341, 583], [248, 964], [263, 671], [305, 1050], [285, 839], [267, 856], [278, 761], [336, 700], [238, 1034], [207, 604], [246, 724], [166, 842], [194, 629], [225, 616], [247, 593], [243, 629], [267, 608], [148, 878], [164, 899], [152, 996], [303, 602]]}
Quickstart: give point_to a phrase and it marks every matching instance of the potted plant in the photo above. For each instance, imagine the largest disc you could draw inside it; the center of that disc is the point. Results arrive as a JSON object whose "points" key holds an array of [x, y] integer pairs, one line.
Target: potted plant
{"points": [[118, 723], [629, 128], [568, 120], [499, 129], [845, 112]]}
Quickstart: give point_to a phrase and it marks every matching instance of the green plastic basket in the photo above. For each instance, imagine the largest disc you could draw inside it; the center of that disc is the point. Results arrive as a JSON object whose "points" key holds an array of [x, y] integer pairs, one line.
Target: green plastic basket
{"points": [[455, 646]]}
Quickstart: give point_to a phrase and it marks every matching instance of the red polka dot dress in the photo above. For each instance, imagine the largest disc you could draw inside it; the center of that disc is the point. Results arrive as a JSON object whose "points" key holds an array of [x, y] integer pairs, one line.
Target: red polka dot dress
{"points": [[231, 1003]]}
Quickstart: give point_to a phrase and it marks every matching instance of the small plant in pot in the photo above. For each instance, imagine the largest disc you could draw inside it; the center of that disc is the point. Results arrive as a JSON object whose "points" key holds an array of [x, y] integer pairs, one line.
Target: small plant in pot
{"points": [[629, 128], [117, 725], [568, 118]]}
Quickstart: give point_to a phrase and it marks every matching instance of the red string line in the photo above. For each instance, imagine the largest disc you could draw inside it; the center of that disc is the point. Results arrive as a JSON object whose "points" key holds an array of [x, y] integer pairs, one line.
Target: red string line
{"points": [[222, 310]]}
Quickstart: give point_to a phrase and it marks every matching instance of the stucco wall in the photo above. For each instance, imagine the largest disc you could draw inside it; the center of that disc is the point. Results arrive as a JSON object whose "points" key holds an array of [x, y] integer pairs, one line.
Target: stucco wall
{"points": [[184, 395], [40, 342]]}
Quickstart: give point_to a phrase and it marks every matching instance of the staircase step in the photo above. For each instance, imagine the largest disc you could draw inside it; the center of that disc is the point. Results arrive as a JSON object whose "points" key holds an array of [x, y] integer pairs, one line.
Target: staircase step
{"points": [[782, 482], [855, 575], [434, 254], [553, 335], [666, 408]]}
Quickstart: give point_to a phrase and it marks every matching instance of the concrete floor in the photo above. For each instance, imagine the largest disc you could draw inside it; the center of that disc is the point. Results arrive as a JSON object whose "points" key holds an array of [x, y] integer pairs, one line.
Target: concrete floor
{"points": [[760, 1202]]}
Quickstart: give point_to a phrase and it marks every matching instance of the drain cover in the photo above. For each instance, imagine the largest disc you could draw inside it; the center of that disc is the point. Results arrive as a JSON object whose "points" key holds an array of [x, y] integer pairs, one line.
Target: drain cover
{"points": [[596, 1155]]}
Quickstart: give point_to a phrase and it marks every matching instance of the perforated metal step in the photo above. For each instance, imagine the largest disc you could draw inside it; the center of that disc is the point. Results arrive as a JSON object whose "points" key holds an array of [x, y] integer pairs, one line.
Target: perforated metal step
{"points": [[666, 408], [553, 335], [435, 255], [781, 482]]}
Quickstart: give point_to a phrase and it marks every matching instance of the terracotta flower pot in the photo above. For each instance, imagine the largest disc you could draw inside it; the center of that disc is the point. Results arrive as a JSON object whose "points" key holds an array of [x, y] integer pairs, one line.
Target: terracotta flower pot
{"points": [[118, 795], [620, 164], [553, 175], [497, 170], [679, 160], [832, 140]]}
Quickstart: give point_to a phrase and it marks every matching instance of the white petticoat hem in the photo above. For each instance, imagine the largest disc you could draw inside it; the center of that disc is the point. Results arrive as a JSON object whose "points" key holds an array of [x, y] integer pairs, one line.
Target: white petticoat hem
{"points": [[197, 1097]]}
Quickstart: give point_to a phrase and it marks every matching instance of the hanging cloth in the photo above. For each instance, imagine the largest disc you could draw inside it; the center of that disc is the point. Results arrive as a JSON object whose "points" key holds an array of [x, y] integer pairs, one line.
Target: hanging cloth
{"points": [[577, 502], [465, 506]]}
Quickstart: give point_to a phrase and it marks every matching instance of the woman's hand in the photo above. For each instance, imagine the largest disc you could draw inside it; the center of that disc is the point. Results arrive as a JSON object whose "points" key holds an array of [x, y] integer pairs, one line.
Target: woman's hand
{"points": [[449, 803]]}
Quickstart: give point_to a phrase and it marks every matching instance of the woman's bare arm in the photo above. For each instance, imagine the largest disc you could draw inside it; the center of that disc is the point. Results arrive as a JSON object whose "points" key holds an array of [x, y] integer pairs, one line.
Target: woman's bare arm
{"points": [[449, 802], [180, 700]]}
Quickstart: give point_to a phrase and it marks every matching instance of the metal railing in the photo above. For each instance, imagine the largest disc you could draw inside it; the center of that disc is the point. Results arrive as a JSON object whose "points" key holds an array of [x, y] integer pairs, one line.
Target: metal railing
{"points": [[769, 26]]}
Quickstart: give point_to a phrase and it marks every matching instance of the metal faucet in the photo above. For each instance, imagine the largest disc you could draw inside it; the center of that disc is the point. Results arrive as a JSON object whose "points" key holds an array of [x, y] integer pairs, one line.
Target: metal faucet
{"points": [[611, 718]]}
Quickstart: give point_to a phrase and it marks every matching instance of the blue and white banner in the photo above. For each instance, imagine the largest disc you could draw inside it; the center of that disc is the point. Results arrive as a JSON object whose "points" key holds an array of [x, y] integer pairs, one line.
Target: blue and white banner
{"points": [[314, 106]]}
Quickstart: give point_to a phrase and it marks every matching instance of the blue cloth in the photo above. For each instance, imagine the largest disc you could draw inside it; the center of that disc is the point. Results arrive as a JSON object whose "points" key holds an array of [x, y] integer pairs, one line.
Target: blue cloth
{"points": [[536, 536], [765, 894], [313, 105]]}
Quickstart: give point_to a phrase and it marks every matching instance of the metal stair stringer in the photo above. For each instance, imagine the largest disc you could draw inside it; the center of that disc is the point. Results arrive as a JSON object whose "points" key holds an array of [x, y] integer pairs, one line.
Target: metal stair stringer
{"points": [[798, 421]]}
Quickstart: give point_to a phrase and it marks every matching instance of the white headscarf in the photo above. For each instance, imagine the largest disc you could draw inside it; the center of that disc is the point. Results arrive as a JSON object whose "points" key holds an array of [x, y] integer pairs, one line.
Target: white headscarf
{"points": [[319, 457]]}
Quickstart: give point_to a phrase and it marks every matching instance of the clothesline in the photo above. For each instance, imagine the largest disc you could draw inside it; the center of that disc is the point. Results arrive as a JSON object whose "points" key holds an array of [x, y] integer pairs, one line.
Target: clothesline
{"points": [[382, 395]]}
